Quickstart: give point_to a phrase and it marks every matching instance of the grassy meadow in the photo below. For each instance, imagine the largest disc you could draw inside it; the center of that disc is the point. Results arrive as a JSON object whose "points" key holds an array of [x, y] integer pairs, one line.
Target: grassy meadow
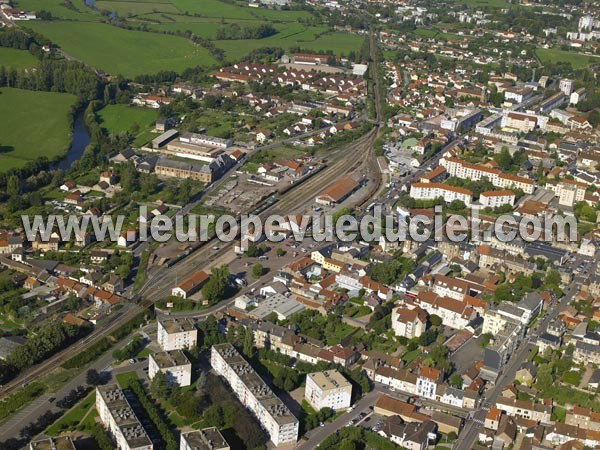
{"points": [[119, 51], [19, 59], [119, 118], [33, 124]]}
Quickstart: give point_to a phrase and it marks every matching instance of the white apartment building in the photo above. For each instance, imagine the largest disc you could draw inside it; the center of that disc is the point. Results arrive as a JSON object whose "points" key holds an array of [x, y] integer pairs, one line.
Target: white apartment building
{"points": [[566, 86], [586, 22], [445, 286], [494, 322], [568, 192], [255, 395], [176, 334], [118, 417], [427, 382], [430, 191], [493, 199], [408, 322], [519, 121], [205, 439], [174, 364], [462, 169], [328, 389], [518, 94], [454, 313]]}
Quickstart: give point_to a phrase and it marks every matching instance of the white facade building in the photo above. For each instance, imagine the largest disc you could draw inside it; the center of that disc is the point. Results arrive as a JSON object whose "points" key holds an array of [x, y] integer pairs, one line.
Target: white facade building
{"points": [[566, 86], [493, 199], [205, 439], [174, 364], [118, 417], [176, 334], [430, 191], [458, 168], [328, 389], [255, 395]]}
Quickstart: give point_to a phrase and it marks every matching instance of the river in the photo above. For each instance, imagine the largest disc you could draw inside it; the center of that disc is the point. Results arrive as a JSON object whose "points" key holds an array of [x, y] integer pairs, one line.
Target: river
{"points": [[79, 141]]}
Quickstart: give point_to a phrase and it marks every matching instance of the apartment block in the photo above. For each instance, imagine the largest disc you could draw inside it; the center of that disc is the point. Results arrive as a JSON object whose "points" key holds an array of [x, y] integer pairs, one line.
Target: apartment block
{"points": [[458, 168], [174, 364], [176, 334], [504, 343], [493, 199], [255, 395], [408, 322], [568, 192], [205, 439], [328, 389], [431, 191], [117, 416]]}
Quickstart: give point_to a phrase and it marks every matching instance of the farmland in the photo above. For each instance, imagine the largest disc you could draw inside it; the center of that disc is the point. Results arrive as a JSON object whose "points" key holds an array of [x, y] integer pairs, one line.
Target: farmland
{"points": [[33, 124], [19, 59], [125, 52], [119, 118]]}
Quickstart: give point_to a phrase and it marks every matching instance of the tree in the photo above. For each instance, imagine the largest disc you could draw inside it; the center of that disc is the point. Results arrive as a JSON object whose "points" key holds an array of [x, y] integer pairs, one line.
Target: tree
{"points": [[175, 395], [257, 270], [435, 320], [213, 416], [280, 251], [248, 349], [93, 377], [347, 445], [215, 288], [160, 385], [455, 381], [504, 159]]}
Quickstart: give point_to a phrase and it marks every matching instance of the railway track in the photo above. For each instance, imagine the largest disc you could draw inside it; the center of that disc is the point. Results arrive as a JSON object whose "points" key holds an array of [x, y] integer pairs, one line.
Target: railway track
{"points": [[356, 156]]}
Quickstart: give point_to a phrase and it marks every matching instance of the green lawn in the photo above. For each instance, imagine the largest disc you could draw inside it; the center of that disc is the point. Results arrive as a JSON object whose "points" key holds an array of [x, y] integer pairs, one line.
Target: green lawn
{"points": [[126, 52], [19, 59], [119, 118], [74, 416], [578, 61], [411, 356], [33, 124], [123, 378]]}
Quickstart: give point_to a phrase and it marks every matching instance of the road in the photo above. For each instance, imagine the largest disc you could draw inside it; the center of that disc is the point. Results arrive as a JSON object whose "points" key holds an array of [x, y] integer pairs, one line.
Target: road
{"points": [[471, 431], [356, 157], [317, 435], [34, 410]]}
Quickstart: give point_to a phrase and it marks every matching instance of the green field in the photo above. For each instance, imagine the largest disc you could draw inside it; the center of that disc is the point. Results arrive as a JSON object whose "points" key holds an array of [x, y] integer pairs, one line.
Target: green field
{"points": [[218, 9], [296, 35], [120, 51], [33, 124], [119, 118], [57, 8], [126, 8], [192, 9], [19, 59], [577, 60]]}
